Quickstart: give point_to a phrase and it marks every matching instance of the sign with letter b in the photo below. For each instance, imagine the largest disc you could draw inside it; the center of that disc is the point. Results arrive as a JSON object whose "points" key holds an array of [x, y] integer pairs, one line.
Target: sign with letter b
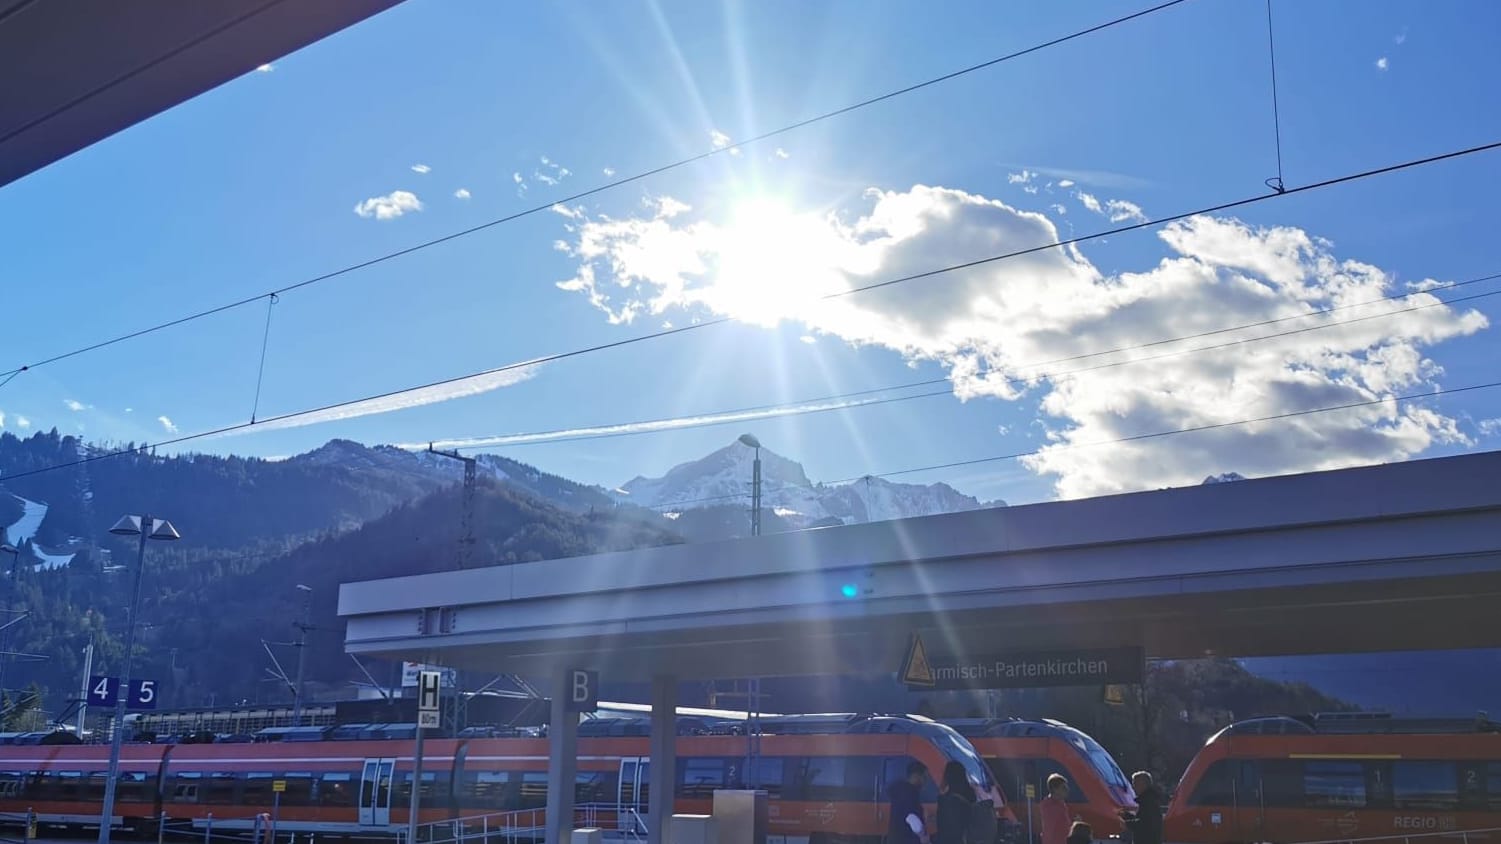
{"points": [[583, 690]]}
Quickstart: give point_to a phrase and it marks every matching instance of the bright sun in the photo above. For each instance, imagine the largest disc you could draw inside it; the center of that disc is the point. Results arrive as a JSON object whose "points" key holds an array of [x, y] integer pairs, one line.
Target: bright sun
{"points": [[774, 263]]}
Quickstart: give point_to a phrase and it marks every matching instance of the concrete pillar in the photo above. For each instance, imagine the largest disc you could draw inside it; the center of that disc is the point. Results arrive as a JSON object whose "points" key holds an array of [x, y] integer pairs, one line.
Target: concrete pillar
{"points": [[562, 762], [664, 756]]}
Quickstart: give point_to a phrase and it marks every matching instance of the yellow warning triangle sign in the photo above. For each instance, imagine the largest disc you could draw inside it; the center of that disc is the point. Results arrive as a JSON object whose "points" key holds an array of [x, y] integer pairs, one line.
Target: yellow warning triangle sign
{"points": [[916, 670]]}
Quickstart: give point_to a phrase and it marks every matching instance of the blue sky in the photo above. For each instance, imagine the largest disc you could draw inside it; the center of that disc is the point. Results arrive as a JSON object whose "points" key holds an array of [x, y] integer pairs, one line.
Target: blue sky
{"points": [[255, 185]]}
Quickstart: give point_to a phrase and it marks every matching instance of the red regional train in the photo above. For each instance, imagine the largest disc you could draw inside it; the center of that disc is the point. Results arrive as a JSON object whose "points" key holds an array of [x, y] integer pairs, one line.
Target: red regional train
{"points": [[1341, 777], [825, 777], [1022, 752]]}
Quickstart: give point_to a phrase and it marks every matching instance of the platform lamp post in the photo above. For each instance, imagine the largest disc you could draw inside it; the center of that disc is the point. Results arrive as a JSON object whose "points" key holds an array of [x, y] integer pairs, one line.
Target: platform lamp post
{"points": [[303, 627], [750, 440], [146, 528], [15, 564]]}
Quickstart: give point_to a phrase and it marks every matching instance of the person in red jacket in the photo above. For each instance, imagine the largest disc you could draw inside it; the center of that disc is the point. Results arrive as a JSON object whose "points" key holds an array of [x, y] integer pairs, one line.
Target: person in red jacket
{"points": [[1056, 818]]}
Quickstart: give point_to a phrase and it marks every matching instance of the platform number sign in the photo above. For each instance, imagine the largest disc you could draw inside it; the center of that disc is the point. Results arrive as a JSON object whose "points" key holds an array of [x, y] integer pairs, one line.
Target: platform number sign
{"points": [[105, 691], [583, 690]]}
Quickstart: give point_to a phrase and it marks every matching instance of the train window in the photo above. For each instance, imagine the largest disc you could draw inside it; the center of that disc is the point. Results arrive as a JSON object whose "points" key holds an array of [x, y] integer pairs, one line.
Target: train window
{"points": [[258, 788], [484, 789], [821, 778], [593, 787], [430, 787], [701, 776], [534, 790], [68, 785], [94, 788], [1281, 783], [185, 788], [1011, 774], [300, 788], [1215, 787], [1425, 785], [769, 775], [1334, 785], [1048, 767], [336, 790], [219, 787], [12, 783], [862, 778]]}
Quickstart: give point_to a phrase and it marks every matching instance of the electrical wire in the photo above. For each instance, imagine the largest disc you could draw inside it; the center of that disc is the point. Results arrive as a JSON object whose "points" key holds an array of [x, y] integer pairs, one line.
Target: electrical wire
{"points": [[615, 344], [645, 174], [1271, 49], [1016, 455]]}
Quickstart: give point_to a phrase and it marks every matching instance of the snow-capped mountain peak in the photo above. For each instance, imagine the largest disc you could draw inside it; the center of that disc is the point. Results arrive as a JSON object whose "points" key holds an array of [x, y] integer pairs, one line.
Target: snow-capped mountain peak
{"points": [[723, 479]]}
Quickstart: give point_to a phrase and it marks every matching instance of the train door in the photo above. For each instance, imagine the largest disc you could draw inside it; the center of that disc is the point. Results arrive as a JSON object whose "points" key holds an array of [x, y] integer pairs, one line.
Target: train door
{"points": [[375, 792], [1248, 810], [634, 793]]}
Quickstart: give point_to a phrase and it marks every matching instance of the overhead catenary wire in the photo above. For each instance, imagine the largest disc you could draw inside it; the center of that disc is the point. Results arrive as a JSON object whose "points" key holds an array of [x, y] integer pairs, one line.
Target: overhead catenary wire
{"points": [[260, 372], [735, 416], [1274, 183], [584, 194], [668, 332], [1055, 447]]}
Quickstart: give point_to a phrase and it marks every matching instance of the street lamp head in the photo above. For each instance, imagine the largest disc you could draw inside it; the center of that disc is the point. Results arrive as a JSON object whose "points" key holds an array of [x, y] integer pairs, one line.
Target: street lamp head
{"points": [[7, 548], [750, 440], [163, 530], [304, 587], [127, 526]]}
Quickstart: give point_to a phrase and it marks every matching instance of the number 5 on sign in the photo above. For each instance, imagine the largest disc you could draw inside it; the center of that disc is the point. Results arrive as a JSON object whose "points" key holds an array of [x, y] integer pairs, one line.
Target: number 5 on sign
{"points": [[142, 694]]}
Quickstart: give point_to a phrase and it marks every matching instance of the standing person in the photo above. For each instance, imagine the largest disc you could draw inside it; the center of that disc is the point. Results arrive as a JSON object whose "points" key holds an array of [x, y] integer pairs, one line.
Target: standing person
{"points": [[956, 806], [1146, 823], [1080, 833], [906, 826], [1055, 814]]}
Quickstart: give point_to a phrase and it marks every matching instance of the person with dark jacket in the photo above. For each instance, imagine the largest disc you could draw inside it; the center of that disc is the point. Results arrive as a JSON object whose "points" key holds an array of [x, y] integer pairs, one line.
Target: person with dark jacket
{"points": [[1146, 822], [1080, 833], [906, 825], [956, 807]]}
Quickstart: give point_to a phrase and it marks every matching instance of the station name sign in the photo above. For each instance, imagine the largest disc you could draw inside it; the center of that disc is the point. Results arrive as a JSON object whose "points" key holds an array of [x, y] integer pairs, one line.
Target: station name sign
{"points": [[925, 669]]}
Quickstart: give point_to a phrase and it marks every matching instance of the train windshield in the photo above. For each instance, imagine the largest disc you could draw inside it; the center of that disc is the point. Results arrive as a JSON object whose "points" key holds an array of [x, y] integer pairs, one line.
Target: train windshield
{"points": [[957, 748], [1099, 759]]}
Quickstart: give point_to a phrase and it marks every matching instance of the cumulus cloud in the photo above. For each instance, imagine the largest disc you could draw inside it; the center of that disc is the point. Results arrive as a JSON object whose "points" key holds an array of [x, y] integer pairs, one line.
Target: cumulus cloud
{"points": [[23, 422], [462, 193], [609, 172], [265, 68], [1090, 202], [991, 325], [719, 139], [1021, 178], [1120, 211], [549, 172], [423, 169], [389, 207], [167, 424], [74, 405], [1059, 209], [782, 154], [1382, 63], [1065, 183], [1487, 427]]}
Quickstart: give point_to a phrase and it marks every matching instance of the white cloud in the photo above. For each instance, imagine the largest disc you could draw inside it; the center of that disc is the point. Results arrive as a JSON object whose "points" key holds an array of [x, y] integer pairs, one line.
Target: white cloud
{"points": [[2, 419], [1032, 189], [782, 154], [389, 207], [23, 422], [1400, 38], [516, 177], [167, 424], [809, 339], [130, 410], [422, 169], [1090, 202], [991, 324], [462, 193], [1021, 178], [1059, 209], [1382, 63], [719, 139], [265, 68], [1120, 211], [1487, 427], [609, 172], [74, 405], [1065, 183], [456, 389]]}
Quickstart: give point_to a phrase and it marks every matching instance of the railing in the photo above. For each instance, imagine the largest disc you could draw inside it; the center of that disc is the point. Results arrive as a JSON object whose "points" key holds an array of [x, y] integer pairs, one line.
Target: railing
{"points": [[1463, 836], [527, 825]]}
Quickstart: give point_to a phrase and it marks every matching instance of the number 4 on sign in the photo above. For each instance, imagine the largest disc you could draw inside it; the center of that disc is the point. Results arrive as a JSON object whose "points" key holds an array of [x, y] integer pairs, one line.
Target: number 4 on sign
{"points": [[103, 691]]}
